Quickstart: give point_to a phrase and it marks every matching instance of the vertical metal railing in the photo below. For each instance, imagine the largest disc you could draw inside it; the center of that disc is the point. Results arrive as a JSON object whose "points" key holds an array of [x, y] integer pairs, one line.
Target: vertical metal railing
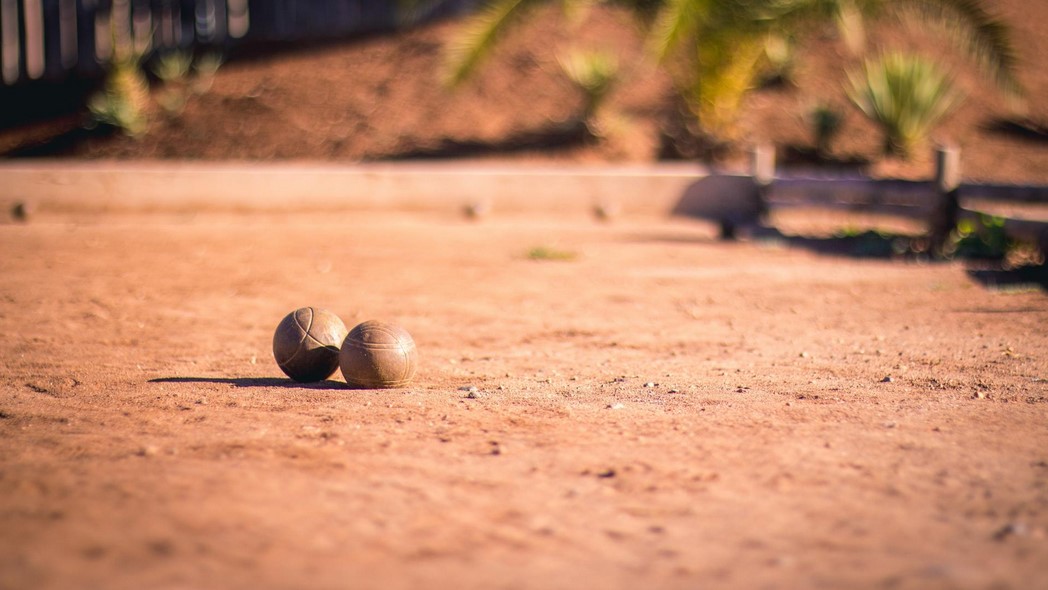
{"points": [[54, 39]]}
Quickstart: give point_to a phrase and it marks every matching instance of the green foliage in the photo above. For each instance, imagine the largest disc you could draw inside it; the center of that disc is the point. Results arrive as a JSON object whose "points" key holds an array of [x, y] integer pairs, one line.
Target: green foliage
{"points": [[205, 67], [549, 253], [780, 54], [984, 237], [480, 36], [985, 40], [173, 67], [182, 76], [906, 95], [594, 73], [123, 102], [717, 50], [713, 50]]}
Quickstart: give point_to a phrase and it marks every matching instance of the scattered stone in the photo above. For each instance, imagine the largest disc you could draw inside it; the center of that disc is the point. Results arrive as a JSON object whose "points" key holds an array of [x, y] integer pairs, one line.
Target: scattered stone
{"points": [[148, 451], [615, 406], [805, 355], [607, 473], [477, 209], [649, 384], [21, 211], [887, 379], [606, 210], [1011, 529]]}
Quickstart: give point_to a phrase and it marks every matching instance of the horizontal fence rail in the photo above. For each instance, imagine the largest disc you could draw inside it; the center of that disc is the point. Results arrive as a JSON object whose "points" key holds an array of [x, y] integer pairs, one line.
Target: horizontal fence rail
{"points": [[57, 39], [740, 200], [897, 197]]}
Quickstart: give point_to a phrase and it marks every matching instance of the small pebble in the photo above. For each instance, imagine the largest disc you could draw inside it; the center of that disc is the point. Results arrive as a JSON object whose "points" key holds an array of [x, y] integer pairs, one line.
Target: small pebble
{"points": [[21, 211], [476, 209], [469, 388], [606, 210], [887, 379], [1010, 529], [649, 384], [615, 406]]}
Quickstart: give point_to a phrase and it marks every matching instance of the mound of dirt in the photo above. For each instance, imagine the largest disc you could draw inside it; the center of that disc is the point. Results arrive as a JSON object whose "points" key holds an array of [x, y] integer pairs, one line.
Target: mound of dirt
{"points": [[381, 98]]}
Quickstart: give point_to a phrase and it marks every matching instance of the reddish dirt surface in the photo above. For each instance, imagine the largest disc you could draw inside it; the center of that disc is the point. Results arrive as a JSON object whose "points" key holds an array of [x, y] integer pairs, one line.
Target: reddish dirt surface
{"points": [[659, 410], [382, 98]]}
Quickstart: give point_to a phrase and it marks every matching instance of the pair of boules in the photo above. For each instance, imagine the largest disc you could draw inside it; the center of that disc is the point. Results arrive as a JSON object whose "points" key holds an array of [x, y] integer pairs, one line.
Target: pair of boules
{"points": [[311, 344]]}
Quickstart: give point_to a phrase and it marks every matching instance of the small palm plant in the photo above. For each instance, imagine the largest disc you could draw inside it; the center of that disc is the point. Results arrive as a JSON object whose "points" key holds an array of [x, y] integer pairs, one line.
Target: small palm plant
{"points": [[183, 76], [204, 69], [172, 69], [906, 95], [174, 66], [123, 102], [716, 50], [595, 74]]}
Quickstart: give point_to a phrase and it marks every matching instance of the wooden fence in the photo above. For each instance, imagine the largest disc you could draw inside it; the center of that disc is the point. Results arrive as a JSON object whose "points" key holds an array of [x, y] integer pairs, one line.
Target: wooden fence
{"points": [[737, 201], [57, 39]]}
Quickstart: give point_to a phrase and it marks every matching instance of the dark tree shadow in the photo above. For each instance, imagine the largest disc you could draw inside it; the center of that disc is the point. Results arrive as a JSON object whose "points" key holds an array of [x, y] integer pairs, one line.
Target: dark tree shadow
{"points": [[255, 382], [62, 143], [867, 244], [1024, 277], [805, 156], [568, 134], [1019, 128]]}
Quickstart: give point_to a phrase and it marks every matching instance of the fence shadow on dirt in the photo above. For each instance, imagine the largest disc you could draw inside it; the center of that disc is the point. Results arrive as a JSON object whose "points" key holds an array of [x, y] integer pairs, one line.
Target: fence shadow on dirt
{"points": [[254, 382], [867, 244], [1017, 279]]}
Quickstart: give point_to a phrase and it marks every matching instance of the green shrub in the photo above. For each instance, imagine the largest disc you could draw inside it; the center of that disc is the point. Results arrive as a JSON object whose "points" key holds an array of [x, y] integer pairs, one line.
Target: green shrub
{"points": [[905, 95], [183, 76], [123, 102], [594, 73], [984, 237]]}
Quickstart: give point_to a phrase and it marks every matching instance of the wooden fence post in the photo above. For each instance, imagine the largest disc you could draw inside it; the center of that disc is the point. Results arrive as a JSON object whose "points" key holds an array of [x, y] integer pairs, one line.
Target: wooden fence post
{"points": [[947, 180], [762, 168], [763, 164]]}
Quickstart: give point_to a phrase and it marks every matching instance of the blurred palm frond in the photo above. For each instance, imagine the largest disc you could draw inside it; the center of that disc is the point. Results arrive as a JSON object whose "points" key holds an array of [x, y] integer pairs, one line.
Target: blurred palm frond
{"points": [[480, 36]]}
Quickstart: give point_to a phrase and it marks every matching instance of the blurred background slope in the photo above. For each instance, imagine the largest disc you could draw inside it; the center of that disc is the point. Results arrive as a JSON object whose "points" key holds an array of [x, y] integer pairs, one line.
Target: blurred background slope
{"points": [[362, 81]]}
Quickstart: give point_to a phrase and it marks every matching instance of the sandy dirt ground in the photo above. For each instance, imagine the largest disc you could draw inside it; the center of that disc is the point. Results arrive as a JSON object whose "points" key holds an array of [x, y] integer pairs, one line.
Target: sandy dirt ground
{"points": [[652, 409]]}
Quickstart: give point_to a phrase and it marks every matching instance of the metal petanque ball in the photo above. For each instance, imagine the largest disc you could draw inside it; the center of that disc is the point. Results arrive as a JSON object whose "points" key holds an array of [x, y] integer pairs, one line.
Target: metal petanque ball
{"points": [[306, 344], [378, 355]]}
